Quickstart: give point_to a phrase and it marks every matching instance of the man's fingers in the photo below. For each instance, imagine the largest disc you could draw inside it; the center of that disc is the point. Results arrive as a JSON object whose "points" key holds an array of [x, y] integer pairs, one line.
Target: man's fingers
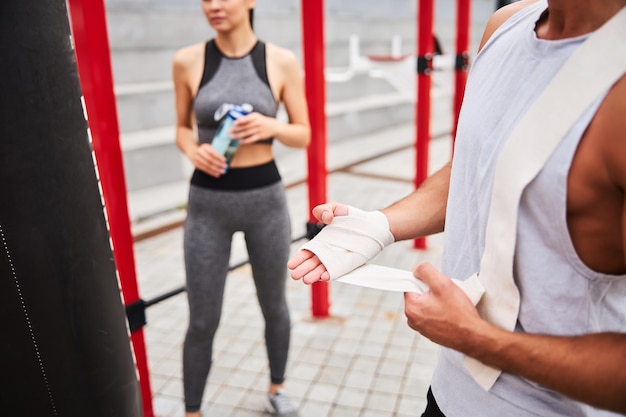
{"points": [[326, 212], [316, 274], [431, 276], [411, 301], [306, 267], [299, 258], [327, 217]]}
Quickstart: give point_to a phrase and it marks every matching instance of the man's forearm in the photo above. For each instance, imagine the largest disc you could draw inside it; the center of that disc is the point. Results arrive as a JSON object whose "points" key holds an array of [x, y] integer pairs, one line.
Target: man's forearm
{"points": [[423, 212], [589, 368]]}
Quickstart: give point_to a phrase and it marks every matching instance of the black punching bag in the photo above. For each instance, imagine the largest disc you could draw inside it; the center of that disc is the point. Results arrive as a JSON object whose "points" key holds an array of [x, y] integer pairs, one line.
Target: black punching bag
{"points": [[64, 345]]}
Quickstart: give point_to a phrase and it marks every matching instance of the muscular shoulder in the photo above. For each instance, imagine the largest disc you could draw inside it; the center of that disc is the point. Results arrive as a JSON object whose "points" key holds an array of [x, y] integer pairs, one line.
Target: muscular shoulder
{"points": [[609, 126], [500, 16]]}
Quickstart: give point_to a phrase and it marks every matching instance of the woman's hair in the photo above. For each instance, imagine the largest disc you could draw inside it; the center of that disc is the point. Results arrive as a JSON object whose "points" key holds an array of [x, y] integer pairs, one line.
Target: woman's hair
{"points": [[251, 15]]}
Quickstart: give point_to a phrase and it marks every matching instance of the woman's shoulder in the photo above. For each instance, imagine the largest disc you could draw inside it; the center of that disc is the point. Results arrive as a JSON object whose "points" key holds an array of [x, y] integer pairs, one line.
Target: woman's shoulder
{"points": [[189, 54], [279, 55]]}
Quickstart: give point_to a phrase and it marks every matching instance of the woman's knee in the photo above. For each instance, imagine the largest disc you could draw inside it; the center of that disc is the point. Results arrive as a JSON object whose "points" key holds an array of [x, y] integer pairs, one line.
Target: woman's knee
{"points": [[203, 328], [275, 312]]}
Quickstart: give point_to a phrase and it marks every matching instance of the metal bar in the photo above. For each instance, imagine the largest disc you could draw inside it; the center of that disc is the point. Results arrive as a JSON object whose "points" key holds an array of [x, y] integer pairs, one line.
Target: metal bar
{"points": [[462, 58], [315, 86], [165, 296], [425, 46]]}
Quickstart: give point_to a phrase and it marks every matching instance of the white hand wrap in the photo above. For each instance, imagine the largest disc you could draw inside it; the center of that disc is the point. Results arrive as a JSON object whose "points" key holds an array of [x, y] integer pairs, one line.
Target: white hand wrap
{"points": [[392, 279], [350, 241]]}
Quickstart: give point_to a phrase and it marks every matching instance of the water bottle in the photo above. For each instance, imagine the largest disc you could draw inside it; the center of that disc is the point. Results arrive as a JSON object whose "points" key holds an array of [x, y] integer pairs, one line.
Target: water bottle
{"points": [[222, 142]]}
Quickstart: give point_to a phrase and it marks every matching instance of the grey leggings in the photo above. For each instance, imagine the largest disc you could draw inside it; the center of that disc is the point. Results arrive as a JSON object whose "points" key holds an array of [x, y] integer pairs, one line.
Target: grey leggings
{"points": [[212, 218]]}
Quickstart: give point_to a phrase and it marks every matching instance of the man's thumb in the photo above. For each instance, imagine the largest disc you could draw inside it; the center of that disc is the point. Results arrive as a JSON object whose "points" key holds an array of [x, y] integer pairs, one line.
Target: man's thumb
{"points": [[427, 273]]}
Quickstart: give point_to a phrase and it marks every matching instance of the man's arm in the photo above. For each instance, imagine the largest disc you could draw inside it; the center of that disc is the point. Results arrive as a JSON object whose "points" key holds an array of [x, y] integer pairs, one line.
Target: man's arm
{"points": [[589, 368], [419, 214], [423, 212]]}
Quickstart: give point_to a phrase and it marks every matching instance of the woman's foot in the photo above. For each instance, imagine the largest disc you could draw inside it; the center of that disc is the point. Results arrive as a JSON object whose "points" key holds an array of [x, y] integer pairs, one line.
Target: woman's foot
{"points": [[280, 405]]}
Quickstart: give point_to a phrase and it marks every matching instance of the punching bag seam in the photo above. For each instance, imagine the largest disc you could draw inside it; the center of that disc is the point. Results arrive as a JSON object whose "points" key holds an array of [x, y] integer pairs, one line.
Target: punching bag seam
{"points": [[27, 318]]}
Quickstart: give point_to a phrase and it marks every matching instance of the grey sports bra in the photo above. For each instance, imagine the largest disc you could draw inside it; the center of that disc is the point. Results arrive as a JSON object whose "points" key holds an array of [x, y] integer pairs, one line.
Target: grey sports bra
{"points": [[232, 81]]}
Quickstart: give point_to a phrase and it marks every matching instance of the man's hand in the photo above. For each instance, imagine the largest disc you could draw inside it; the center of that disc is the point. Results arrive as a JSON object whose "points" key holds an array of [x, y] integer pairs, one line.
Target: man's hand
{"points": [[444, 314], [307, 266], [304, 264], [570, 365], [325, 213]]}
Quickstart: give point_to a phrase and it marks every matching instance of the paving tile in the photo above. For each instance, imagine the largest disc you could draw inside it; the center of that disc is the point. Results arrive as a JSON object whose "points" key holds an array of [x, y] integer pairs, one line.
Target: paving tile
{"points": [[324, 390], [164, 406], [314, 408], [352, 397], [304, 371], [381, 402], [345, 411], [338, 359], [359, 379], [387, 384], [332, 374]]}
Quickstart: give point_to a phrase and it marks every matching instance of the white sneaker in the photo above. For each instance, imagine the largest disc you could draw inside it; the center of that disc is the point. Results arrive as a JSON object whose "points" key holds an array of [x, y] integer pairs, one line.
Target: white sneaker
{"points": [[280, 405]]}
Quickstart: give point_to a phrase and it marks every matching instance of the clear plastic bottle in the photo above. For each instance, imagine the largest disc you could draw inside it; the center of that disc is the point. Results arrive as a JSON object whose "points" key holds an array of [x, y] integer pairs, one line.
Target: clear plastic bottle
{"points": [[222, 141]]}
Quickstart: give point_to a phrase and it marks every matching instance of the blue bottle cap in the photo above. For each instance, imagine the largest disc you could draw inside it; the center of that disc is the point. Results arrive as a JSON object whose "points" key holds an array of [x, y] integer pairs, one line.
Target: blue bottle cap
{"points": [[238, 111]]}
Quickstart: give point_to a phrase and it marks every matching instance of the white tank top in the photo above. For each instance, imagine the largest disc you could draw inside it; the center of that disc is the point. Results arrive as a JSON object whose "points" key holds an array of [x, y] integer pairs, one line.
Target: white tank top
{"points": [[560, 295]]}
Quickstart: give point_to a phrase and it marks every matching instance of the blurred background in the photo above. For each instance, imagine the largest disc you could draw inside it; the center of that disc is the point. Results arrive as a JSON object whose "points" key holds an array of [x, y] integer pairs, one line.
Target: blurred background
{"points": [[370, 75]]}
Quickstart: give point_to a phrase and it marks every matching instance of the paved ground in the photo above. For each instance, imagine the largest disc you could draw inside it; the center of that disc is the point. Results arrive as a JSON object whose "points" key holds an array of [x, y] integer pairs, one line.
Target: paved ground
{"points": [[361, 361]]}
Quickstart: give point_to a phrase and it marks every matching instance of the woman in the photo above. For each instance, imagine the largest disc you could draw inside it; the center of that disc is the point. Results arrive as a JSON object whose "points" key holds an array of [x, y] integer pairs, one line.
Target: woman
{"points": [[246, 195]]}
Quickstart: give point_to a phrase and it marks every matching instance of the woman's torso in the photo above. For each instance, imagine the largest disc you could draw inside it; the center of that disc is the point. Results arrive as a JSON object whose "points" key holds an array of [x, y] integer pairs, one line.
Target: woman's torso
{"points": [[218, 79]]}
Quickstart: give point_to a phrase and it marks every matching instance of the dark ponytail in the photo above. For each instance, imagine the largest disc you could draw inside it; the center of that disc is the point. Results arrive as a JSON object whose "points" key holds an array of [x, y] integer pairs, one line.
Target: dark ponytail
{"points": [[251, 15]]}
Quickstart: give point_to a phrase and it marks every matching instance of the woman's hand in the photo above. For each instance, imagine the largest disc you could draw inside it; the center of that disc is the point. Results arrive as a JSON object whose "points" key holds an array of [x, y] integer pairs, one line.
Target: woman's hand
{"points": [[208, 160], [254, 127]]}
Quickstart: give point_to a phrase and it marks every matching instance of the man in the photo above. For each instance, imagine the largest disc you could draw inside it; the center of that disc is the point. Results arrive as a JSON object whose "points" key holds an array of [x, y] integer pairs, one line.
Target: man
{"points": [[567, 355]]}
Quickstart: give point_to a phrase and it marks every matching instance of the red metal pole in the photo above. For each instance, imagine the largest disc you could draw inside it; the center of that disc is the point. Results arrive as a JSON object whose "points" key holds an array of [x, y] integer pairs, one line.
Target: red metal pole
{"points": [[425, 47], [315, 86], [88, 21], [462, 57]]}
